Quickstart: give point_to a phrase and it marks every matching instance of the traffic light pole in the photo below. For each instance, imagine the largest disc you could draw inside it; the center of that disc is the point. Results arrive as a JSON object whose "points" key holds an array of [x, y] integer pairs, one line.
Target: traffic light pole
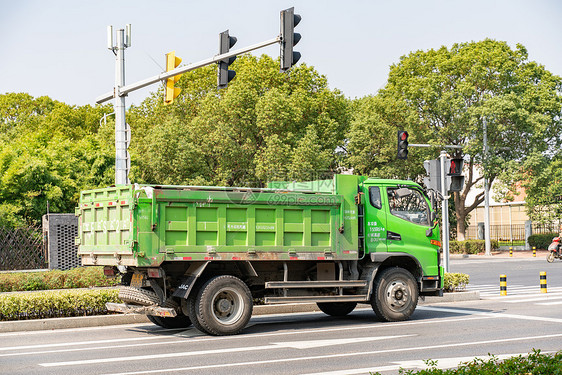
{"points": [[124, 90], [444, 213]]}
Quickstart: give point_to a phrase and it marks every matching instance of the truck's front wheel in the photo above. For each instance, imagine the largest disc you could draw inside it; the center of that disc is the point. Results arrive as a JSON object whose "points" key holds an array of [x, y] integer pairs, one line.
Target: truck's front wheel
{"points": [[395, 295], [223, 305]]}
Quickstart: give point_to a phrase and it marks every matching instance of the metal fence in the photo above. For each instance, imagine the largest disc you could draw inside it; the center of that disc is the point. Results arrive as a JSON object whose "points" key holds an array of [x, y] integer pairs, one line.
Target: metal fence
{"points": [[511, 235], [22, 249]]}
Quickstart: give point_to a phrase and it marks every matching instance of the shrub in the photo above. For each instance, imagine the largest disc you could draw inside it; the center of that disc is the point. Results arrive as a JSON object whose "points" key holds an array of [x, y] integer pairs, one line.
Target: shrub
{"points": [[470, 246], [455, 282], [54, 304], [534, 363], [82, 277], [541, 241]]}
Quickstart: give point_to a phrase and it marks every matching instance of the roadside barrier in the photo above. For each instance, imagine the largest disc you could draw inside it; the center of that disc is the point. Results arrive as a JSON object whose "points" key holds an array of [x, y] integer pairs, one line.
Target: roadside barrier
{"points": [[534, 251], [503, 285], [543, 282], [510, 251]]}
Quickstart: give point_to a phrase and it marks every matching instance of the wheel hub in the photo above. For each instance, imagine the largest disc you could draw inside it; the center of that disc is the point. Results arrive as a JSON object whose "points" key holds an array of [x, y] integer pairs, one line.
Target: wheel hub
{"points": [[397, 294], [224, 305]]}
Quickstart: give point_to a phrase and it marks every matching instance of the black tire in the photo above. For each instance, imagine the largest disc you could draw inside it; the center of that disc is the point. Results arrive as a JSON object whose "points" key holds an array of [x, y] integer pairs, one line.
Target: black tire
{"points": [[550, 257], [395, 295], [223, 305], [138, 296], [192, 310], [336, 308], [180, 321]]}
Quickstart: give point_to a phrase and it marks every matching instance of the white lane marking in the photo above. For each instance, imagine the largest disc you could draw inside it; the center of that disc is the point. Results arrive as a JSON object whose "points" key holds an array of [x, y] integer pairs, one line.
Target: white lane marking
{"points": [[323, 357], [199, 337], [73, 330], [293, 344], [549, 303], [79, 343], [493, 314]]}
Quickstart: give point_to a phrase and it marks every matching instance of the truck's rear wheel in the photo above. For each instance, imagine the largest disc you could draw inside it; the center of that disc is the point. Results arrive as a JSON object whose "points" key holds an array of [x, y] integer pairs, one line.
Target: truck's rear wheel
{"points": [[180, 321], [395, 295], [336, 308], [223, 305]]}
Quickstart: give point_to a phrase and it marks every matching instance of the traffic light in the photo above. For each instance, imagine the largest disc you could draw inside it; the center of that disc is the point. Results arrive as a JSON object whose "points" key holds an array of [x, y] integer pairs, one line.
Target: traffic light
{"points": [[224, 75], [433, 169], [455, 179], [402, 145], [172, 92], [289, 38]]}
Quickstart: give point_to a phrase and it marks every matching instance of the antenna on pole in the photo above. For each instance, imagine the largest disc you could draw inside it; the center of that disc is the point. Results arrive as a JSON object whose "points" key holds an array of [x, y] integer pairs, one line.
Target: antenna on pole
{"points": [[110, 37], [128, 35]]}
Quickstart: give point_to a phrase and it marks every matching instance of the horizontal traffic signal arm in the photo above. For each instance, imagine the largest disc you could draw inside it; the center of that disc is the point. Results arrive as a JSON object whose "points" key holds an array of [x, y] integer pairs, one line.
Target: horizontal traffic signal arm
{"points": [[183, 69]]}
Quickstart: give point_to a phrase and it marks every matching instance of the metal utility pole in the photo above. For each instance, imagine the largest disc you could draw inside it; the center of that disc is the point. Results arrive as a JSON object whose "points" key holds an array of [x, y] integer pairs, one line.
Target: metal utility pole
{"points": [[488, 243], [444, 212], [121, 141]]}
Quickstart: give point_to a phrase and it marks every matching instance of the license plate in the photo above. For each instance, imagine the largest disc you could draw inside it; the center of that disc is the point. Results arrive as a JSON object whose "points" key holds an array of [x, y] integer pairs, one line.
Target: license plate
{"points": [[137, 280]]}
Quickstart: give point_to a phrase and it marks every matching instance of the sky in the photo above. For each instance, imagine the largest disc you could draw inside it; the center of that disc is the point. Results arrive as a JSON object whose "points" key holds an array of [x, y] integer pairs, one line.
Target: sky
{"points": [[58, 48]]}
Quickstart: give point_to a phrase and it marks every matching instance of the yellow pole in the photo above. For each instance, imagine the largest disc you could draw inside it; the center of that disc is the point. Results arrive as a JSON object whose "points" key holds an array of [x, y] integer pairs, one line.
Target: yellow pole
{"points": [[510, 251], [534, 251], [543, 282], [503, 285]]}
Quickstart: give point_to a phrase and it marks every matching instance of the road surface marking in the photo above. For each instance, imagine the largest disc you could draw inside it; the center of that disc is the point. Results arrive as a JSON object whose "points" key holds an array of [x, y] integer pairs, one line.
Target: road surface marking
{"points": [[323, 357], [491, 314], [272, 346], [549, 303], [79, 343]]}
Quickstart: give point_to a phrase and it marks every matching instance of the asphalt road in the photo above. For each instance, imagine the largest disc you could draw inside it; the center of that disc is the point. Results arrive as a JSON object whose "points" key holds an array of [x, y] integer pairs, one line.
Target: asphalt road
{"points": [[312, 343]]}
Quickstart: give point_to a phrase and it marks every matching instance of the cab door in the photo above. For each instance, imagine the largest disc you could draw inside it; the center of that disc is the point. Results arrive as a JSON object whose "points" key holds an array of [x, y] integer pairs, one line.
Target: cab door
{"points": [[375, 219], [408, 221]]}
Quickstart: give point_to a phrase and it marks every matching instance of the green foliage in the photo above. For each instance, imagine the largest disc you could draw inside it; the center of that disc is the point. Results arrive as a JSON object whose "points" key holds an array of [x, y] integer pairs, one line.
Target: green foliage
{"points": [[49, 151], [534, 364], [441, 97], [82, 277], [455, 282], [471, 246], [266, 125], [541, 241], [54, 304]]}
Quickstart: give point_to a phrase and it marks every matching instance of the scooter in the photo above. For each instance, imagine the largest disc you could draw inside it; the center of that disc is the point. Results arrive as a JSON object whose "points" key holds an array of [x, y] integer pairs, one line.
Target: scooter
{"points": [[554, 250]]}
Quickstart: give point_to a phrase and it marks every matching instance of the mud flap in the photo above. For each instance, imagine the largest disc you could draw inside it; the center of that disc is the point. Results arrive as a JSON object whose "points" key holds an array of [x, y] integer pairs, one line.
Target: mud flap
{"points": [[191, 275]]}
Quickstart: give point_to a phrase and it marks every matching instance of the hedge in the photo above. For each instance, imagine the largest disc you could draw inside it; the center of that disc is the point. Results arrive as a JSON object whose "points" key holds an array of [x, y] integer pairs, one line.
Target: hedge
{"points": [[455, 282], [471, 246], [541, 241], [81, 277], [534, 363], [56, 304]]}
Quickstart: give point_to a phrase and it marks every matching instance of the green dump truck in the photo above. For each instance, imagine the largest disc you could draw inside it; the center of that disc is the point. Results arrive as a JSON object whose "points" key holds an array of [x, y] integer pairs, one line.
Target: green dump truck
{"points": [[202, 255]]}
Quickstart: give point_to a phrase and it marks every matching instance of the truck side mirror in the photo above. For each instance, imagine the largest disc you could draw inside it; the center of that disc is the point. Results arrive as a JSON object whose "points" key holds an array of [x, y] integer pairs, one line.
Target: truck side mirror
{"points": [[402, 192], [432, 216]]}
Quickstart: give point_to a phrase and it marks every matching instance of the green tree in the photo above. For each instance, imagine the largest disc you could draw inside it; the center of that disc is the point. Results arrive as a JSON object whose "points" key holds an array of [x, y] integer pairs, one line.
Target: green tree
{"points": [[442, 96], [265, 125]]}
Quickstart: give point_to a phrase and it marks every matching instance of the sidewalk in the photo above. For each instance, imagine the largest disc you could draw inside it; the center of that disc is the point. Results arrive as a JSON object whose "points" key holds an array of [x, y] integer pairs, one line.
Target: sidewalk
{"points": [[503, 254]]}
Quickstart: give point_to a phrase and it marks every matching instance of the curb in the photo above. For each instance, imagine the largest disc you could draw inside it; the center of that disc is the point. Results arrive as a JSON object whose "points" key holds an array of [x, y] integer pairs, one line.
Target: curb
{"points": [[119, 319]]}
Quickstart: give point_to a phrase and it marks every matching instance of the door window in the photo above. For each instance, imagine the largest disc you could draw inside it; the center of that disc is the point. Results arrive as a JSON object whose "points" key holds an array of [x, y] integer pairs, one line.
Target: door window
{"points": [[408, 204], [375, 197]]}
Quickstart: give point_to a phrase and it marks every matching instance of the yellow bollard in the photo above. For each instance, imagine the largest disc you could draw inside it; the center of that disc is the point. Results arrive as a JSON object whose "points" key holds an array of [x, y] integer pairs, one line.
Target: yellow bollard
{"points": [[534, 251], [510, 251], [543, 282], [503, 285]]}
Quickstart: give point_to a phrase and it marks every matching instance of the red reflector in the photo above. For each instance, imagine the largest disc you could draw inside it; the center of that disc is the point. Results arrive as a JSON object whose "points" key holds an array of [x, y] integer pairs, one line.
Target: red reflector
{"points": [[186, 258], [430, 278], [208, 258], [435, 242], [293, 258], [321, 258], [110, 203], [347, 252], [97, 204], [236, 258], [123, 202], [154, 273], [109, 271]]}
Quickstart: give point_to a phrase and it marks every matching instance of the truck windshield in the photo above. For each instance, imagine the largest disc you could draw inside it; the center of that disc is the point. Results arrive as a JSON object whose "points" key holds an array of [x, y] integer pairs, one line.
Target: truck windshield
{"points": [[411, 207]]}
